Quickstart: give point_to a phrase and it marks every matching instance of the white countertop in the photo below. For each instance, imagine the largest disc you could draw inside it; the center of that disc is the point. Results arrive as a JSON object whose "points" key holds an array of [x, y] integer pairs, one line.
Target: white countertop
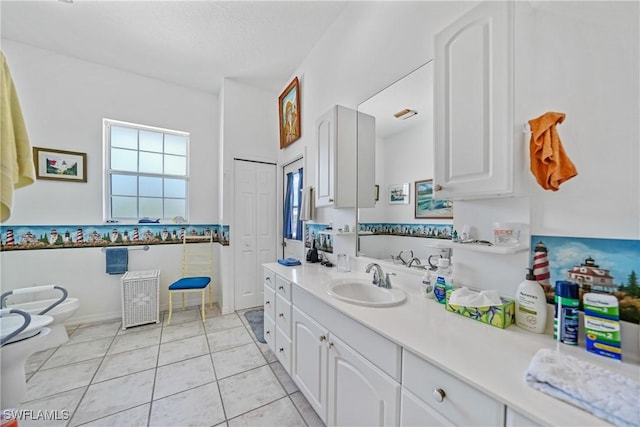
{"points": [[491, 359]]}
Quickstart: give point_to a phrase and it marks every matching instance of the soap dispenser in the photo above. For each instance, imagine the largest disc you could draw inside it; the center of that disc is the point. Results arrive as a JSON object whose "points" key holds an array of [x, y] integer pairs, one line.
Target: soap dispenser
{"points": [[531, 305], [443, 281]]}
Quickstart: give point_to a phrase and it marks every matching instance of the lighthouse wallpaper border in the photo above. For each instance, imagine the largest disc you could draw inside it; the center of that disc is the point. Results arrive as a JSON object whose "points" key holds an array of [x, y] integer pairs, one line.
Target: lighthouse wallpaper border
{"points": [[30, 237], [617, 262]]}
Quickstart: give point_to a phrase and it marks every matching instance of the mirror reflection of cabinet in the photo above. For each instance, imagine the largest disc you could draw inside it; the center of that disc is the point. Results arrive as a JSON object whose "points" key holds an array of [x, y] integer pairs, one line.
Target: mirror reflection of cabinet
{"points": [[403, 155], [337, 157], [475, 145]]}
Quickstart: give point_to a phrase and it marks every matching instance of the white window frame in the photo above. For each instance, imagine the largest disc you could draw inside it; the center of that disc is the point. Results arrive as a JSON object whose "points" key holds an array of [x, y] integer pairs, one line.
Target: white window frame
{"points": [[106, 126]]}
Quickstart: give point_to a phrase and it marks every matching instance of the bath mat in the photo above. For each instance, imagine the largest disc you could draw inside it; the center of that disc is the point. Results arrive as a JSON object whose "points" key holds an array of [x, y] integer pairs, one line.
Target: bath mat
{"points": [[256, 321]]}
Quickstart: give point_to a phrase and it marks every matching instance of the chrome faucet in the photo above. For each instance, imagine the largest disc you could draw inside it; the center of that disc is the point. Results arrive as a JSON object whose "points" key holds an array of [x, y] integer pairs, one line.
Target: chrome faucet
{"points": [[416, 260], [378, 274], [379, 278], [401, 259]]}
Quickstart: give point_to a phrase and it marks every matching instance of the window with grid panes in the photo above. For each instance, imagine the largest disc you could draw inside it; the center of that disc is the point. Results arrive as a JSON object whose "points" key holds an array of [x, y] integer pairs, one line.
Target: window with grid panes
{"points": [[146, 172]]}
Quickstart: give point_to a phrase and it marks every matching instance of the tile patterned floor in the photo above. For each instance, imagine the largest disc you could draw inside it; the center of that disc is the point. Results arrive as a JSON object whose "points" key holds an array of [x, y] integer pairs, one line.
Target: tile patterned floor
{"points": [[188, 374]]}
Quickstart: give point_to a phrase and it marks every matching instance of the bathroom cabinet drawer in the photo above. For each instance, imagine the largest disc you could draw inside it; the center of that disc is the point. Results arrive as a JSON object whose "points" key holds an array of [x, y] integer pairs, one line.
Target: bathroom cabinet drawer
{"points": [[283, 288], [268, 278], [460, 403], [269, 302], [414, 412], [283, 315], [270, 332], [283, 349]]}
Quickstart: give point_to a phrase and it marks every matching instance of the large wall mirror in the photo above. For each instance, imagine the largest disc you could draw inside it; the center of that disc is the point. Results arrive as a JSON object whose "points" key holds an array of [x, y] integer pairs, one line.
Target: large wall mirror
{"points": [[404, 222]]}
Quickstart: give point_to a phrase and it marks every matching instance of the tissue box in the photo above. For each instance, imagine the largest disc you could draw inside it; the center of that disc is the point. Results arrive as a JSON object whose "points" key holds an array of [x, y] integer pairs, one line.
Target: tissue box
{"points": [[499, 316]]}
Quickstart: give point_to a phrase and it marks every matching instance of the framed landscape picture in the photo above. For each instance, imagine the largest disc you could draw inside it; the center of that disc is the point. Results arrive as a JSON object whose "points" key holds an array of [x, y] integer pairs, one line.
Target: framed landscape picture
{"points": [[427, 206], [60, 165]]}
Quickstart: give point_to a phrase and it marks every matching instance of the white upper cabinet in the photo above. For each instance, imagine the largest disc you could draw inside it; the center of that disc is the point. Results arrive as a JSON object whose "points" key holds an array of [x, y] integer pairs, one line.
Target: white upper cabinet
{"points": [[474, 101], [338, 164]]}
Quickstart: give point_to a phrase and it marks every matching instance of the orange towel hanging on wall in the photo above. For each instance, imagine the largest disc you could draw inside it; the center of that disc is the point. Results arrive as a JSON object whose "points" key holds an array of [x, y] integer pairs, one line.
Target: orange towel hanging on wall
{"points": [[549, 162]]}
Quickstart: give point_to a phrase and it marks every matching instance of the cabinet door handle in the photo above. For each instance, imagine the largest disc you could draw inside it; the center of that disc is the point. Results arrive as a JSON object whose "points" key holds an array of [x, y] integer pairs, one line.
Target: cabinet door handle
{"points": [[281, 350], [437, 187], [330, 345], [267, 302], [268, 332], [331, 200], [323, 337], [439, 394]]}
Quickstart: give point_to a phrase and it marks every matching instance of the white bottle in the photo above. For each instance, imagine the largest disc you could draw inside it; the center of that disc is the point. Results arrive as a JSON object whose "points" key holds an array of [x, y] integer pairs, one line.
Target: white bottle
{"points": [[426, 284], [531, 305]]}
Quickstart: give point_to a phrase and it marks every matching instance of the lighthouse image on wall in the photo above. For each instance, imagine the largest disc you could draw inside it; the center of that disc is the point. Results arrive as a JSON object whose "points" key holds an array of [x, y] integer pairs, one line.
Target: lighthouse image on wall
{"points": [[541, 266]]}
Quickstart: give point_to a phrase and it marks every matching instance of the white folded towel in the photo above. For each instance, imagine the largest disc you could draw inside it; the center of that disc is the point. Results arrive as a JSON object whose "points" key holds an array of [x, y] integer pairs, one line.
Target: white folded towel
{"points": [[306, 208], [604, 393]]}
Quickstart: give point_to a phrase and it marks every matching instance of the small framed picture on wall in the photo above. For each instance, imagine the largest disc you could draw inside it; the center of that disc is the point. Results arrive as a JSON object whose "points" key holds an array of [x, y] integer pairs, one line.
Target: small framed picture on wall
{"points": [[427, 206], [399, 194]]}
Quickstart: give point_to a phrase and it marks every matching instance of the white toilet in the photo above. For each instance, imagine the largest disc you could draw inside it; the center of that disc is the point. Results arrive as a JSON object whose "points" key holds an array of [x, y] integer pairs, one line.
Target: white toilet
{"points": [[61, 309], [21, 336]]}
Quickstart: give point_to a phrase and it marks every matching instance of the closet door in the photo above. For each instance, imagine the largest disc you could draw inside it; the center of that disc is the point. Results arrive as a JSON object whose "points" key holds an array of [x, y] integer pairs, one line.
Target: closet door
{"points": [[254, 229]]}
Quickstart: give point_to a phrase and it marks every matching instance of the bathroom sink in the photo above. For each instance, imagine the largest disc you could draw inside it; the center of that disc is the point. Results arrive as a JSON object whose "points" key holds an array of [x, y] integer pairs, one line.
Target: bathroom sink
{"points": [[363, 292]]}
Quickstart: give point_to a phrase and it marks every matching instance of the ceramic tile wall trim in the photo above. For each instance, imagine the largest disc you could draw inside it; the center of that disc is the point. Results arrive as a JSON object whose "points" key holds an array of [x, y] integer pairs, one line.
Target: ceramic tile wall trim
{"points": [[429, 231], [608, 266], [29, 237]]}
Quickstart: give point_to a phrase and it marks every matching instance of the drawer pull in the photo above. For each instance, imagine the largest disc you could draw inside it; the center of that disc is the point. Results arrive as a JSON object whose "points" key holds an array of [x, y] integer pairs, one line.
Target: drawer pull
{"points": [[281, 350], [439, 394], [267, 302], [281, 288], [267, 278], [322, 337], [268, 332], [281, 315]]}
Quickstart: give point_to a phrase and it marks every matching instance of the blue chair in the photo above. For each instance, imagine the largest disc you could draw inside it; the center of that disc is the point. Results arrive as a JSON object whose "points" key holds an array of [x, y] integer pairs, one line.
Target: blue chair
{"points": [[197, 271]]}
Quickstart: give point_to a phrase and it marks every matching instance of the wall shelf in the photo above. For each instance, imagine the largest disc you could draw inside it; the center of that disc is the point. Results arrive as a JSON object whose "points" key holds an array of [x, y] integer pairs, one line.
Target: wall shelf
{"points": [[336, 232], [500, 250]]}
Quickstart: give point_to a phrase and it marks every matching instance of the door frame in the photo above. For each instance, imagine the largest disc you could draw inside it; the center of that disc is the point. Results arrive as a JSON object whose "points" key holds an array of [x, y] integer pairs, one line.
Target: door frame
{"points": [[283, 241]]}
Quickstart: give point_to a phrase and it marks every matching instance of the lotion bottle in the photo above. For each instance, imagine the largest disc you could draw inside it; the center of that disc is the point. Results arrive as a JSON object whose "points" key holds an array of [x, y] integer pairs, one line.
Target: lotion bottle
{"points": [[531, 305]]}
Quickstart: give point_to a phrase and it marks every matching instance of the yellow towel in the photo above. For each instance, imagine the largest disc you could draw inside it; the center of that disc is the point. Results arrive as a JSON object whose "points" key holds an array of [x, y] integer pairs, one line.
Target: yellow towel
{"points": [[16, 158], [549, 162]]}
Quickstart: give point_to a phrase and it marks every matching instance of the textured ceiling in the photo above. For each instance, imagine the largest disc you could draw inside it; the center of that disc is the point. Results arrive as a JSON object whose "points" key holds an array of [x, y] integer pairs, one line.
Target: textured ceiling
{"points": [[191, 43]]}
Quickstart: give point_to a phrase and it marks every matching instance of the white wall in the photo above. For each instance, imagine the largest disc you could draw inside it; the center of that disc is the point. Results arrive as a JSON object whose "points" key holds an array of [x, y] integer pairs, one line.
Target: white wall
{"points": [[594, 80], [64, 101], [370, 46], [249, 132], [580, 58], [401, 158]]}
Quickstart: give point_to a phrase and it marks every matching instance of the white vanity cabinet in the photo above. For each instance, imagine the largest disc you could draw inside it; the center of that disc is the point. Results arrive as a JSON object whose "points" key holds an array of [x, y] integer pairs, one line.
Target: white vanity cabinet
{"points": [[309, 367], [281, 340], [358, 392], [338, 145], [269, 332], [477, 154], [340, 381], [441, 398], [516, 419]]}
